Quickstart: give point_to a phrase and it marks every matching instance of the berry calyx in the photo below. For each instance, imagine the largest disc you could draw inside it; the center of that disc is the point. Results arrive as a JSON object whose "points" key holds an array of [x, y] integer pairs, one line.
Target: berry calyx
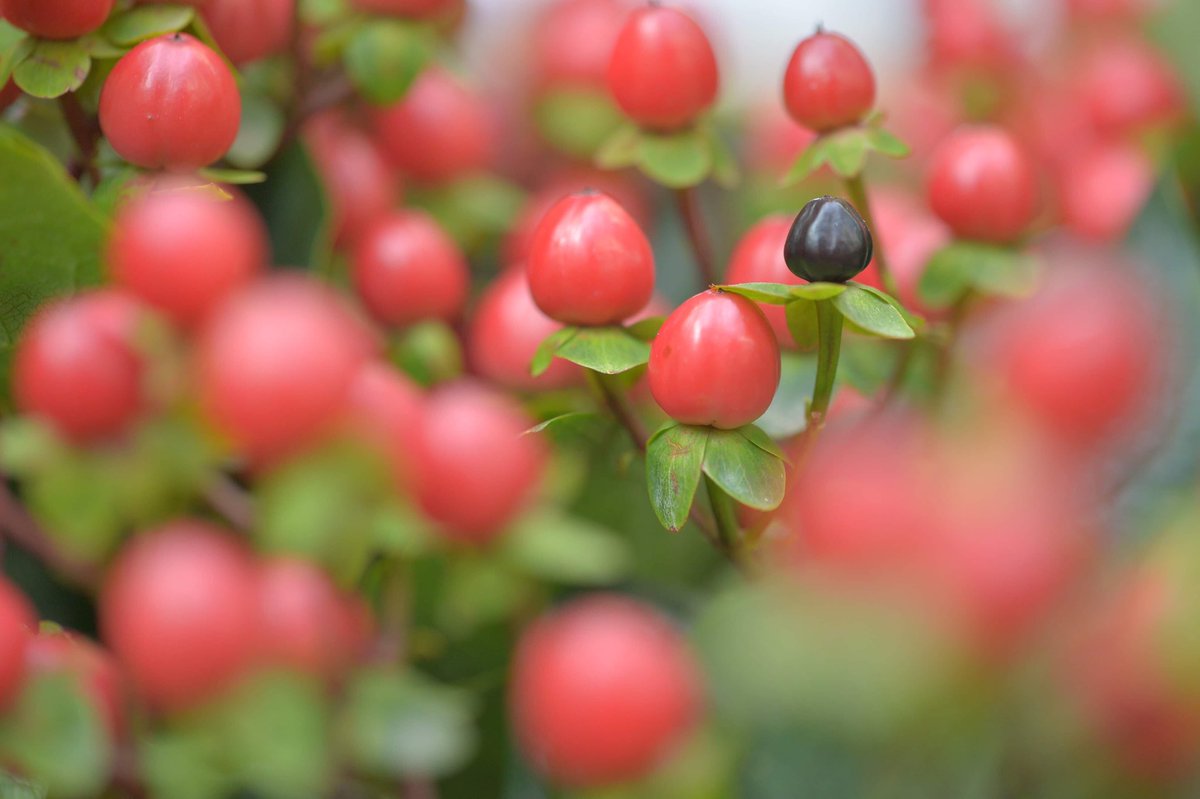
{"points": [[171, 102], [178, 610], [589, 262], [82, 347], [663, 72], [828, 84], [62, 19], [758, 258], [184, 251], [715, 361], [982, 184], [407, 269], [603, 690], [828, 242]]}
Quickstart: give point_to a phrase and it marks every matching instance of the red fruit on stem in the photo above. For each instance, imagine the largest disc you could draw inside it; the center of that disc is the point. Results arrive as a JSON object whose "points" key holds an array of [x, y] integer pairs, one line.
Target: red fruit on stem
{"points": [[77, 367], [178, 610], [828, 84], [506, 331], [385, 409], [603, 690], [17, 622], [758, 258], [407, 269], [60, 19], [301, 618], [440, 131], [589, 262], [715, 361], [274, 365], [94, 669], [573, 41], [663, 72], [184, 251], [475, 470], [969, 34], [982, 184], [248, 30], [171, 102], [359, 182]]}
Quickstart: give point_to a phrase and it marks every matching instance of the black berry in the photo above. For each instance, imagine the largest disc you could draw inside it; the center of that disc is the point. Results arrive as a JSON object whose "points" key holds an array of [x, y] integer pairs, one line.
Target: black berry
{"points": [[829, 242]]}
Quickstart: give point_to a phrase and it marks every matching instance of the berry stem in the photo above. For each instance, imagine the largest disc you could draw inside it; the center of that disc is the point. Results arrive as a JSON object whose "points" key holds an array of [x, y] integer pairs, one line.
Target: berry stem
{"points": [[858, 196], [85, 132], [229, 500], [725, 512], [693, 221], [829, 349]]}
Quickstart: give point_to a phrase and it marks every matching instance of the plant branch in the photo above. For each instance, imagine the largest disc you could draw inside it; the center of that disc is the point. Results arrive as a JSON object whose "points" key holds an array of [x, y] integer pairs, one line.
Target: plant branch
{"points": [[23, 530], [725, 513], [231, 501], [86, 133], [693, 221], [858, 196]]}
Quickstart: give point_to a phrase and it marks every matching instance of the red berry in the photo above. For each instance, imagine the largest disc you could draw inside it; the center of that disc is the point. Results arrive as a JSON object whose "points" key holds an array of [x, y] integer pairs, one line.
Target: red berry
{"points": [[77, 367], [184, 251], [828, 83], [93, 668], [1102, 190], [178, 610], [440, 131], [360, 184], [663, 73], [982, 184], [302, 618], [909, 235], [59, 19], [407, 269], [9, 93], [589, 262], [573, 41], [758, 258], [170, 102], [1127, 86], [248, 30], [715, 361], [475, 470], [274, 365], [602, 691], [969, 34], [385, 410], [17, 622], [505, 333], [407, 8]]}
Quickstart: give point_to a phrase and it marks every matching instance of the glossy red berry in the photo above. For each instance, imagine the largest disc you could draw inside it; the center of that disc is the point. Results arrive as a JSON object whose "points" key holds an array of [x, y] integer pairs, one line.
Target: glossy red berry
{"points": [[828, 84], [77, 348], [274, 365], [178, 610], [758, 258], [589, 262], [603, 690], [171, 102], [440, 131], [715, 361], [475, 468], [360, 183], [302, 619], [982, 184], [184, 251], [17, 623], [248, 30], [407, 269], [663, 72], [506, 331], [94, 669], [60, 19]]}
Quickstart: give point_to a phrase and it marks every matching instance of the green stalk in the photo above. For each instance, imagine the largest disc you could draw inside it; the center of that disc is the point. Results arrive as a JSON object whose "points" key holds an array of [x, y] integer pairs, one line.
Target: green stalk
{"points": [[829, 349], [858, 196], [725, 512]]}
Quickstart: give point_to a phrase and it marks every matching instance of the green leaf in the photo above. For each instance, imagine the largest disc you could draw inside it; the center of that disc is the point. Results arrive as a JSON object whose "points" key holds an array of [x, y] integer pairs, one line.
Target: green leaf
{"points": [[544, 354], [884, 142], [429, 352], [817, 291], [56, 735], [561, 419], [233, 177], [53, 68], [385, 56], [744, 469], [759, 438], [802, 323], [577, 120], [473, 208], [99, 47], [396, 724], [962, 266], [52, 237], [259, 133], [294, 206], [674, 458], [847, 152], [725, 170], [647, 328], [15, 45], [565, 549], [146, 22], [186, 762], [677, 160], [808, 162], [872, 315], [917, 323], [769, 293], [787, 414], [621, 149], [610, 350]]}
